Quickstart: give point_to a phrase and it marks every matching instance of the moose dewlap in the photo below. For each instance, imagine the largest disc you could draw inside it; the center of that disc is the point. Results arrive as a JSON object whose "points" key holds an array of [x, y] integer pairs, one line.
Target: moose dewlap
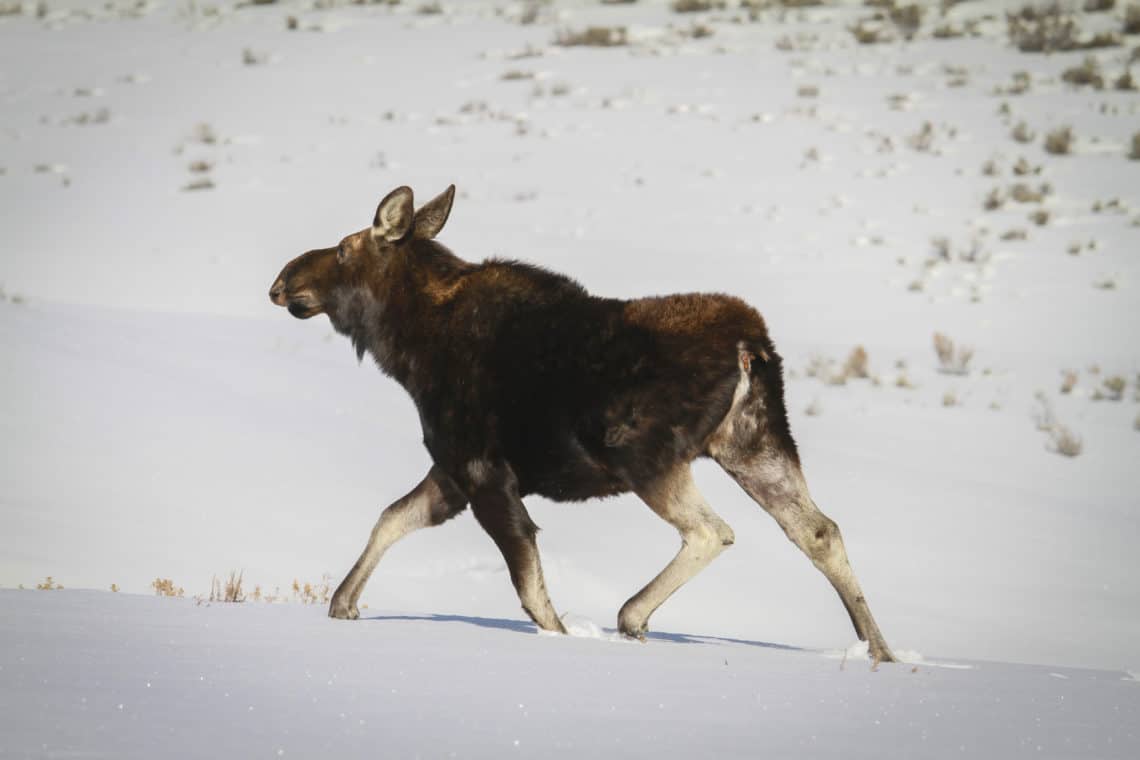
{"points": [[527, 384]]}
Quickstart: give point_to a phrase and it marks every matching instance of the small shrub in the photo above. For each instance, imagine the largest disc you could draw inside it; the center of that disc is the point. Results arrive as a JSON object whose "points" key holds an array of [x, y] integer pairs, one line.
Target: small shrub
{"points": [[593, 36], [1065, 441], [1134, 154], [870, 33], [1022, 167], [114, 588], [697, 6], [1022, 133], [1016, 233], [1059, 142], [1114, 388], [995, 199], [813, 409], [922, 140], [950, 398], [1023, 193], [1061, 439], [1098, 6], [1132, 19], [856, 364], [1087, 73], [1125, 82], [430, 9], [1068, 381], [200, 167], [49, 584], [1040, 217], [953, 360], [166, 587]]}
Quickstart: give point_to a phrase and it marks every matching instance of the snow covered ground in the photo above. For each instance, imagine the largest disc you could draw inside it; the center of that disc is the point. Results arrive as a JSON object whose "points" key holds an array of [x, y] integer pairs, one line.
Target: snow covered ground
{"points": [[115, 675], [162, 419]]}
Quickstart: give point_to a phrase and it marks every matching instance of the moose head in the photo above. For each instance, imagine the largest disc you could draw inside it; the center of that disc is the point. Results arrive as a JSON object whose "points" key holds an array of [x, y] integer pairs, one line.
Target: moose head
{"points": [[317, 281]]}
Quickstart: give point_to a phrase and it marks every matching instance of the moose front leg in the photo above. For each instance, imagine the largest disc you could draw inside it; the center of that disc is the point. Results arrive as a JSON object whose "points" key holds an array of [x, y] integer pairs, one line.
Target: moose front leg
{"points": [[434, 501], [499, 509]]}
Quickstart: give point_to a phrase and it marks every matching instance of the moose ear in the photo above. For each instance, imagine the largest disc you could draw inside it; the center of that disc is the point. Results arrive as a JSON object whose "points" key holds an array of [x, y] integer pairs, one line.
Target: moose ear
{"points": [[393, 215], [433, 215]]}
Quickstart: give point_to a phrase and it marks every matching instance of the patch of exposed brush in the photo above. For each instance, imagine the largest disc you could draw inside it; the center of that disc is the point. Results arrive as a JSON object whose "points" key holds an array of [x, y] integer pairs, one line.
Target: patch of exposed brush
{"points": [[1134, 154], [166, 587], [1050, 28], [48, 584], [1086, 74], [1132, 19], [593, 36], [1022, 133], [697, 6], [228, 591], [1059, 142]]}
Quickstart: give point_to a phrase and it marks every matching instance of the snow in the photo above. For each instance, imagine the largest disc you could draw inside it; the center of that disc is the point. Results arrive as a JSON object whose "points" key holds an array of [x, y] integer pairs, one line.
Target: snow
{"points": [[132, 676], [162, 419]]}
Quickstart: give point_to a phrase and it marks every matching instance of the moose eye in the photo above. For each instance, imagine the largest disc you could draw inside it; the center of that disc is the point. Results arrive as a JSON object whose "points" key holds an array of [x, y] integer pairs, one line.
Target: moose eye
{"points": [[340, 253]]}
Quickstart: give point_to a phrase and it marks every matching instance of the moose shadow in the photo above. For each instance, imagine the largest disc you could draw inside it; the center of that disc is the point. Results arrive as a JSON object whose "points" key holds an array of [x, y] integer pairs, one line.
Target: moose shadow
{"points": [[525, 626]]}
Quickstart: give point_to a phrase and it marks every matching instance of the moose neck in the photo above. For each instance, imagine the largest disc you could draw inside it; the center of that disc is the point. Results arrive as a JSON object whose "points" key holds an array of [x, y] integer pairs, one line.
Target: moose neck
{"points": [[394, 317]]}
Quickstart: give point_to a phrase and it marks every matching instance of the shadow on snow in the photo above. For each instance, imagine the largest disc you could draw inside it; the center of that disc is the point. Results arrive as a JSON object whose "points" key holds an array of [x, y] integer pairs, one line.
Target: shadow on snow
{"points": [[525, 626]]}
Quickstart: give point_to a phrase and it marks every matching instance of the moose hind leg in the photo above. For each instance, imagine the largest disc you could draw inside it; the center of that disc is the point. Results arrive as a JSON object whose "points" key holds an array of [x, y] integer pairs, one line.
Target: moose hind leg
{"points": [[500, 511], [434, 501], [675, 498], [776, 482]]}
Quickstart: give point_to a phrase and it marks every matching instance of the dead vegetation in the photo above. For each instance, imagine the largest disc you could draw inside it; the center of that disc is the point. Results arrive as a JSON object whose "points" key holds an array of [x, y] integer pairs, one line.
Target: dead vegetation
{"points": [[697, 6], [1022, 133], [229, 591], [1134, 154], [1059, 142], [952, 359], [1062, 440], [593, 36], [1088, 73], [166, 587], [1048, 29], [1132, 19], [48, 584]]}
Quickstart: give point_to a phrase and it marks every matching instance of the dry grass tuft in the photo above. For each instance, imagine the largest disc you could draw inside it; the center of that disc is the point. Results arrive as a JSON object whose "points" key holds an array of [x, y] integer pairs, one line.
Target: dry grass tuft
{"points": [[49, 584], [950, 398], [1062, 440], [1059, 142], [593, 36], [1134, 154], [166, 587], [308, 593], [114, 588], [995, 199], [230, 591], [856, 364], [953, 360]]}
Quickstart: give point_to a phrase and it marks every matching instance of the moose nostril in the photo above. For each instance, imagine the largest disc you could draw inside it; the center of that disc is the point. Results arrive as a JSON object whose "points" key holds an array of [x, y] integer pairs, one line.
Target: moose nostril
{"points": [[276, 290]]}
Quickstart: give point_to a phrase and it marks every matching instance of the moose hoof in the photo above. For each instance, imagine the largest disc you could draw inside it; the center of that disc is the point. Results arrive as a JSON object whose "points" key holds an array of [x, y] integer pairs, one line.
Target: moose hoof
{"points": [[881, 653], [342, 610], [632, 630]]}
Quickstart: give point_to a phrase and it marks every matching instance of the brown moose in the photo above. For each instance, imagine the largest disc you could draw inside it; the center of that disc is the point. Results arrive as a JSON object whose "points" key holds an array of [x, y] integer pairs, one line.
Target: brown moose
{"points": [[527, 384]]}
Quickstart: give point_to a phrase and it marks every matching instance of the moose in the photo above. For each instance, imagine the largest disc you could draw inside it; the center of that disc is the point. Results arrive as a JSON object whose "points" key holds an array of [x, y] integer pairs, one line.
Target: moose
{"points": [[527, 384]]}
